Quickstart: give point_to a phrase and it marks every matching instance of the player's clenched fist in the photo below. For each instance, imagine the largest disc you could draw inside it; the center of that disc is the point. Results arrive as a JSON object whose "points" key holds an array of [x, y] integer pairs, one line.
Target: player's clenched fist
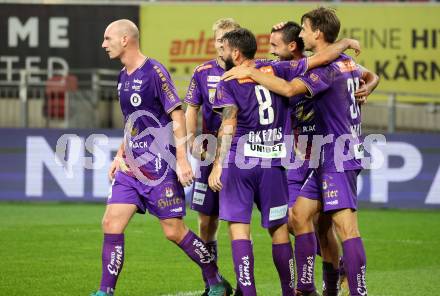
{"points": [[184, 172], [214, 178]]}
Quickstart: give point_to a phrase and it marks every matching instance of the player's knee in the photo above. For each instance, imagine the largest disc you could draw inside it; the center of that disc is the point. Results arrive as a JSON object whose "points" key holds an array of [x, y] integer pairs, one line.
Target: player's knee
{"points": [[172, 235], [347, 231], [111, 225], [299, 218]]}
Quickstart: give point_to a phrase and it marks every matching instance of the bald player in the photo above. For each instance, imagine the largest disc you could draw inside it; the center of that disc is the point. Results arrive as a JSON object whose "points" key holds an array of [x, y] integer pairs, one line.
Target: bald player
{"points": [[149, 103]]}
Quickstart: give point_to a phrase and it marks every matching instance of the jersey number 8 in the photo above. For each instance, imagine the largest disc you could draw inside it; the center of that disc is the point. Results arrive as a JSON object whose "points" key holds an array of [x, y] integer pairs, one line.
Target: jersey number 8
{"points": [[265, 104]]}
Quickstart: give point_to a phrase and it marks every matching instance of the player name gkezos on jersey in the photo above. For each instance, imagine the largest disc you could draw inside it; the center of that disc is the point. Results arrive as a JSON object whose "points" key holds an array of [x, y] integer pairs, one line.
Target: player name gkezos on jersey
{"points": [[258, 144]]}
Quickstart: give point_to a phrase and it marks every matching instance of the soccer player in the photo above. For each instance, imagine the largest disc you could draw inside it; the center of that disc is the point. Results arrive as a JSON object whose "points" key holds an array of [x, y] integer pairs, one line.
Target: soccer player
{"points": [[201, 94], [287, 45], [256, 120], [337, 118], [146, 91]]}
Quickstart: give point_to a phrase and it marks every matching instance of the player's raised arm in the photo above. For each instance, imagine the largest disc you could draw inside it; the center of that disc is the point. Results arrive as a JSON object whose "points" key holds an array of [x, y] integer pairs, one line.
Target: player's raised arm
{"points": [[370, 82], [332, 52], [271, 82], [224, 139], [183, 168]]}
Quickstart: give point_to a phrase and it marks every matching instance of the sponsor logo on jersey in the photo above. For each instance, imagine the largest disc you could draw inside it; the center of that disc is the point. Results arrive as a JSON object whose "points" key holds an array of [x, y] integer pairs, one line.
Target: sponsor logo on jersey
{"points": [[211, 93], [212, 78], [265, 151], [135, 100], [347, 66]]}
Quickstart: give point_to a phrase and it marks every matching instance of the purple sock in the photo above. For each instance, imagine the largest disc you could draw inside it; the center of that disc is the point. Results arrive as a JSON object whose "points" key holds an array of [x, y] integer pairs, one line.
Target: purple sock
{"points": [[282, 255], [197, 250], [305, 251], [244, 266], [212, 248], [112, 261], [331, 278], [355, 264]]}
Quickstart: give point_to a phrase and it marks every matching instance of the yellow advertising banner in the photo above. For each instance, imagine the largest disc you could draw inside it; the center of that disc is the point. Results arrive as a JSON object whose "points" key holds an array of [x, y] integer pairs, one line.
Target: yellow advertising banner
{"points": [[401, 42]]}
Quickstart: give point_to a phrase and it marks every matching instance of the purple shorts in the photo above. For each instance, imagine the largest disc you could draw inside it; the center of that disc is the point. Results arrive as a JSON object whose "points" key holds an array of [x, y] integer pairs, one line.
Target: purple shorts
{"points": [[204, 200], [166, 200], [267, 187], [295, 181], [336, 190]]}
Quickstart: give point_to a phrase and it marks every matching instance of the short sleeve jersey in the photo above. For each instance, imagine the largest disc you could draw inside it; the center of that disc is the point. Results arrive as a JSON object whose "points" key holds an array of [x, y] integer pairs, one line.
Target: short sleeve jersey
{"points": [[201, 92], [337, 113], [147, 97], [262, 115]]}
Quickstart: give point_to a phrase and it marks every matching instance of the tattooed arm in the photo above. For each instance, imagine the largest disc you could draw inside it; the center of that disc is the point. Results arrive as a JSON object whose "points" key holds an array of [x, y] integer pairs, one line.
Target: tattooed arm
{"points": [[224, 140]]}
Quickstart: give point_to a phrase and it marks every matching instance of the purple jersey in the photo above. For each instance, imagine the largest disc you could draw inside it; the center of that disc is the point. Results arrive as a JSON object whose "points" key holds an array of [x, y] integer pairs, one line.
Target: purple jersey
{"points": [[201, 92], [337, 112], [262, 115], [149, 88]]}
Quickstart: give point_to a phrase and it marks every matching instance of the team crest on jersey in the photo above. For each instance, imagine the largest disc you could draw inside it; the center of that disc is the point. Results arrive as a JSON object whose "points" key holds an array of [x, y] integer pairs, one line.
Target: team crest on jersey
{"points": [[211, 92], [294, 64], [314, 77], [169, 192], [135, 100], [324, 185]]}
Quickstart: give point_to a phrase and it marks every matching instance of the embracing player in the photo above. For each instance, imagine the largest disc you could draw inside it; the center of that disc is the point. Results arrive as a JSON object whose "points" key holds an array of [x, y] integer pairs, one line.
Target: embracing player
{"points": [[286, 44], [247, 166], [200, 95], [337, 118]]}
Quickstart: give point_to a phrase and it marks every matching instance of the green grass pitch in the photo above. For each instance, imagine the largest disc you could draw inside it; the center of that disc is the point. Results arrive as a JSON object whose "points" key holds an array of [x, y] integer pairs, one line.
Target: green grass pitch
{"points": [[55, 249]]}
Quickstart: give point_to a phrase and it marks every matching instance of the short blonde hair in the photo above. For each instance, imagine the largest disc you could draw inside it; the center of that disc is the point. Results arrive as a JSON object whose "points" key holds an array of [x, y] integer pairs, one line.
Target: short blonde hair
{"points": [[225, 23]]}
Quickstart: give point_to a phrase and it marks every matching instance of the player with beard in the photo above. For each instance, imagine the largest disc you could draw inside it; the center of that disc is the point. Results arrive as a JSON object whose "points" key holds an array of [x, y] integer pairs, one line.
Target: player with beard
{"points": [[337, 118], [200, 95], [247, 166]]}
